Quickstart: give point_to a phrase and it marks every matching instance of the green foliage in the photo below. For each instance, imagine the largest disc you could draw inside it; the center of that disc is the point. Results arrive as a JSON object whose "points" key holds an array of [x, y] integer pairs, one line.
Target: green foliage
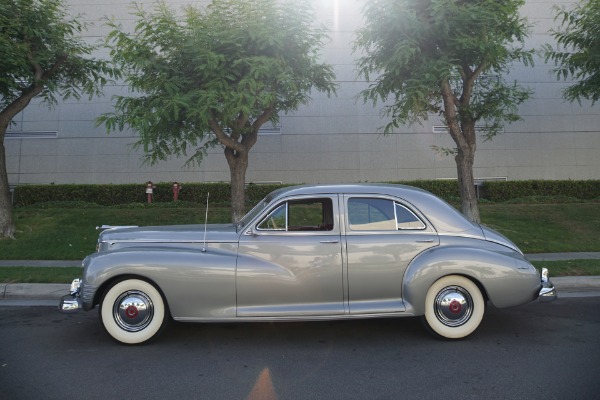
{"points": [[132, 195], [214, 75], [445, 188], [41, 50], [578, 52], [194, 194], [499, 191], [42, 54], [445, 57], [413, 48]]}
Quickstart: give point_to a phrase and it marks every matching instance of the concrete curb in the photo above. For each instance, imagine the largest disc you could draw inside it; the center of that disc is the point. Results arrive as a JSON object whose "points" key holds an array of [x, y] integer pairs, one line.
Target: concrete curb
{"points": [[33, 291], [563, 256], [576, 282]]}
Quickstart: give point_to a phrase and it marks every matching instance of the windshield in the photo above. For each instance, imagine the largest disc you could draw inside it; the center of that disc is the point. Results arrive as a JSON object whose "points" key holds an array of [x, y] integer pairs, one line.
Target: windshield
{"points": [[255, 211]]}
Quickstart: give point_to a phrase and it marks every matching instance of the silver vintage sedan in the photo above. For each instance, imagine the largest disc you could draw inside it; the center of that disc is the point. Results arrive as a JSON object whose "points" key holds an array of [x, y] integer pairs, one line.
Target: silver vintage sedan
{"points": [[309, 253]]}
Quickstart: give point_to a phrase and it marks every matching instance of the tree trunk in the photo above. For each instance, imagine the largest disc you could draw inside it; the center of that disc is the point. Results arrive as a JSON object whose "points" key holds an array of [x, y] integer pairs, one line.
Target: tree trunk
{"points": [[465, 160], [7, 225], [238, 164], [462, 130]]}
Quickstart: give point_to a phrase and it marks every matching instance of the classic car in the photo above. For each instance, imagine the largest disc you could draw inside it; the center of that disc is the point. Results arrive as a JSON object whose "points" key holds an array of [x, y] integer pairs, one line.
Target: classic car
{"points": [[309, 253]]}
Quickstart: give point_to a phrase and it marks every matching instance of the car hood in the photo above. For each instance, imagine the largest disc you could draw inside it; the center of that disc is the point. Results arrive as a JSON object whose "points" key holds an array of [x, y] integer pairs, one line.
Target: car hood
{"points": [[496, 237], [171, 234]]}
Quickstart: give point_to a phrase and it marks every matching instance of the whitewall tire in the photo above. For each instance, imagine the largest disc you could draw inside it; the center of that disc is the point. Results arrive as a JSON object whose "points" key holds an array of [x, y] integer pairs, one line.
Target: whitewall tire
{"points": [[454, 307], [133, 311]]}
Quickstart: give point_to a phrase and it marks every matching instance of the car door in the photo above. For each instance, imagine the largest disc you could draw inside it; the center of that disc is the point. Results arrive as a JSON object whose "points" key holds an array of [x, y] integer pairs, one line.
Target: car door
{"points": [[290, 260], [382, 236]]}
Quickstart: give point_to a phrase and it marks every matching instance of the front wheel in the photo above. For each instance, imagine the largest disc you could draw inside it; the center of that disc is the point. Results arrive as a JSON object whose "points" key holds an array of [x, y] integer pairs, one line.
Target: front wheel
{"points": [[454, 307], [133, 311]]}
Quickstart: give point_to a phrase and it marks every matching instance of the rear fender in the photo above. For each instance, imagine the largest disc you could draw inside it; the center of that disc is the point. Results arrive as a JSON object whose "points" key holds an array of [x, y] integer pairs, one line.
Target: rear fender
{"points": [[496, 274]]}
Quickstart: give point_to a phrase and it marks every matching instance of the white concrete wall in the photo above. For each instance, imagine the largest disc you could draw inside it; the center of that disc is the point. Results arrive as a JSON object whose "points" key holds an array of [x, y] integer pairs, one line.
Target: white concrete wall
{"points": [[328, 140]]}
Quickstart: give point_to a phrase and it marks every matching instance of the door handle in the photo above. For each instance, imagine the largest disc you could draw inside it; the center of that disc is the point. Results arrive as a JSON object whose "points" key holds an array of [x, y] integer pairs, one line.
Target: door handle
{"points": [[425, 241], [330, 241]]}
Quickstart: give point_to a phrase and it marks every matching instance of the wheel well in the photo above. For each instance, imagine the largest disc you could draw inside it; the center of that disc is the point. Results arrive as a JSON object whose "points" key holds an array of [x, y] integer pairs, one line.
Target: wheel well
{"points": [[109, 283], [479, 286]]}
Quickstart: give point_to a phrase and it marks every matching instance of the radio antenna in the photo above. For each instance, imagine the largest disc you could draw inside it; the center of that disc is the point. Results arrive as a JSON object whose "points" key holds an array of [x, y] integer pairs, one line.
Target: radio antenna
{"points": [[205, 222]]}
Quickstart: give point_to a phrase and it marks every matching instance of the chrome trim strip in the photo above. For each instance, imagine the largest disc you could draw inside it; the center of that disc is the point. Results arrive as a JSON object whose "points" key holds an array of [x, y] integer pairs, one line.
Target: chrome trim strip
{"points": [[103, 227], [199, 241], [297, 318]]}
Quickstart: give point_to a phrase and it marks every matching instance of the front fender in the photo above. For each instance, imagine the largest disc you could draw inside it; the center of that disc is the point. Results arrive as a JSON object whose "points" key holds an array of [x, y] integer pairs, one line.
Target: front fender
{"points": [[505, 278], [194, 283]]}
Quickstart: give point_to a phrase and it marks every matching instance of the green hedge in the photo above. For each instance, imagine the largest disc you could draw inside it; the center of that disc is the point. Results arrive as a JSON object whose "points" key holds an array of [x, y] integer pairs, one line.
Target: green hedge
{"points": [[108, 195], [499, 191], [447, 189]]}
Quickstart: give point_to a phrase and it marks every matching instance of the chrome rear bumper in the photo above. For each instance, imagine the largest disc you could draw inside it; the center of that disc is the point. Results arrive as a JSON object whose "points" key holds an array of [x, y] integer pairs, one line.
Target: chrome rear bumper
{"points": [[71, 302], [547, 293]]}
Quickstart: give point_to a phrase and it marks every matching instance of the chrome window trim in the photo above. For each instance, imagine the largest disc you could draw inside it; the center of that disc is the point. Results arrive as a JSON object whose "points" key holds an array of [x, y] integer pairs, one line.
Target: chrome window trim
{"points": [[269, 215], [397, 204]]}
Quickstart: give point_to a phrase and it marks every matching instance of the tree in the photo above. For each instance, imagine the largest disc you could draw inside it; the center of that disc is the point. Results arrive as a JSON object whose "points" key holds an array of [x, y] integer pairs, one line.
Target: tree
{"points": [[446, 57], [213, 77], [41, 55], [578, 55]]}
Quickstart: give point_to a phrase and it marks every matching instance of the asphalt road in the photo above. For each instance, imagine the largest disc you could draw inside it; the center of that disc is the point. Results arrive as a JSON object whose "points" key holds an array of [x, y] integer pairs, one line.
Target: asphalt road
{"points": [[549, 351]]}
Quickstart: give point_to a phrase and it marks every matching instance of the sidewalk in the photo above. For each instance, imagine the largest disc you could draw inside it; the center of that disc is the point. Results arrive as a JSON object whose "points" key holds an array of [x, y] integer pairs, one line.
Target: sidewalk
{"points": [[563, 256], [50, 293]]}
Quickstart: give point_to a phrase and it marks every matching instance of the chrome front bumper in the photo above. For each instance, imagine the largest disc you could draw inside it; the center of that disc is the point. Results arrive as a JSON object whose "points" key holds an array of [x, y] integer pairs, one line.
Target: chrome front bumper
{"points": [[71, 302], [547, 293]]}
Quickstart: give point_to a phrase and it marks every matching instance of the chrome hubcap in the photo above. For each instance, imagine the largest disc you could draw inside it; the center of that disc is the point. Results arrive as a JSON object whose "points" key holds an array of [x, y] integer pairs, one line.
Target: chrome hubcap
{"points": [[133, 311], [453, 306]]}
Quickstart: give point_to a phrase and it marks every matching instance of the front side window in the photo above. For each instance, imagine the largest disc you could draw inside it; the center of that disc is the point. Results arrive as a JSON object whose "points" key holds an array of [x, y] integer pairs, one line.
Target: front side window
{"points": [[300, 216], [374, 214]]}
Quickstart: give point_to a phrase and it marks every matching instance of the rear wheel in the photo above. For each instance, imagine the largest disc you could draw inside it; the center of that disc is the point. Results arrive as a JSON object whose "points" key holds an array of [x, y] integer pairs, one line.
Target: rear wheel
{"points": [[133, 311], [454, 307]]}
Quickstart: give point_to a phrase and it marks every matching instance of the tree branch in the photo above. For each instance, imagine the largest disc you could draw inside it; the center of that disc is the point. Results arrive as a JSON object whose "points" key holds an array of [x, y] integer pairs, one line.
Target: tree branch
{"points": [[223, 138], [55, 67], [451, 114]]}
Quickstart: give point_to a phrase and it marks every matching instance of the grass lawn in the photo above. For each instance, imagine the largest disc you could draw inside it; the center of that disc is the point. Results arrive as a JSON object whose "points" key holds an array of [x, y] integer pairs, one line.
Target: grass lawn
{"points": [[39, 274], [70, 234], [570, 267], [547, 228]]}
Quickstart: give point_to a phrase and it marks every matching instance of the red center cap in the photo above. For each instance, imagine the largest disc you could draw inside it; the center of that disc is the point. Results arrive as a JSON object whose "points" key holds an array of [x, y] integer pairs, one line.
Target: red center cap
{"points": [[131, 312], [455, 307]]}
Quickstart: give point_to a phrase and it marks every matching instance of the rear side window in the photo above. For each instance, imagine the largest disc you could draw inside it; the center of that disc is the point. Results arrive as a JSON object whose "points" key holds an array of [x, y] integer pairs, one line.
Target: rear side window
{"points": [[374, 214]]}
